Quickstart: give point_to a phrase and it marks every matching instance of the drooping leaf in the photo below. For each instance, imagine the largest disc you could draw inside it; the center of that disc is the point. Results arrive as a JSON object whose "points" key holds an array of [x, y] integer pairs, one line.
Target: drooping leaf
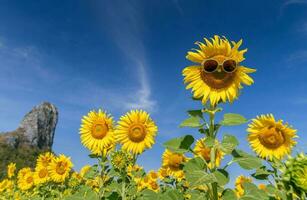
{"points": [[232, 119], [180, 145], [196, 113]]}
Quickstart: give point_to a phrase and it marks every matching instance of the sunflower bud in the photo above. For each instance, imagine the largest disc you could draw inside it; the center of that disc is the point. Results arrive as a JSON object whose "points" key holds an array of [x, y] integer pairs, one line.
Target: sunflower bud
{"points": [[295, 172]]}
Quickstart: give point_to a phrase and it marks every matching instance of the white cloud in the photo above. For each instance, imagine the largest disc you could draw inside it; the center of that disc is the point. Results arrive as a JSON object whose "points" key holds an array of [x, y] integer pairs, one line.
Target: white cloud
{"points": [[125, 26]]}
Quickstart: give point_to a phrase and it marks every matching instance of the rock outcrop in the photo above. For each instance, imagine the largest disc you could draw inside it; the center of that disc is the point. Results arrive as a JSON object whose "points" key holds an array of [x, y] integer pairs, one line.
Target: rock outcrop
{"points": [[36, 129]]}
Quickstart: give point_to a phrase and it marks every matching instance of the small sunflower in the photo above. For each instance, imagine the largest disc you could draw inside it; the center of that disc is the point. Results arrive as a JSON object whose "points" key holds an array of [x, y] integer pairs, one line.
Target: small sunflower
{"points": [[218, 85], [11, 170], [173, 162], [26, 182], [203, 151], [96, 132], [43, 160], [270, 138], [41, 175], [22, 172], [239, 184], [136, 131], [59, 168], [6, 185], [84, 170]]}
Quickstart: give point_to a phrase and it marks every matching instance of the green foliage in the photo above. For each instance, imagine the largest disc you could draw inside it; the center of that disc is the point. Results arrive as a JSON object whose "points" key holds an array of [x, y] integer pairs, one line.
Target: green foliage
{"points": [[232, 119], [180, 145], [245, 160], [23, 156]]}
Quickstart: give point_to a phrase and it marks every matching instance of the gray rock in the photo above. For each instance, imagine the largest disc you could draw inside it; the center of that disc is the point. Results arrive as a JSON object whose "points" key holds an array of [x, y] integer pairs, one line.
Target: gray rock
{"points": [[36, 129]]}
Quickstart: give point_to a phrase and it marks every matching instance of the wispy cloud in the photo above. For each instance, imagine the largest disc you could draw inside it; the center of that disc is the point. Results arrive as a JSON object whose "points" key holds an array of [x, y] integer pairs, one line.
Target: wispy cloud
{"points": [[126, 29], [287, 3], [298, 57]]}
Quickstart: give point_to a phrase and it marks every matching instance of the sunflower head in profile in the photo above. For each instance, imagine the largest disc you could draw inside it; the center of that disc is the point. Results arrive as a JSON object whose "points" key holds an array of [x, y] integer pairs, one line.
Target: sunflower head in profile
{"points": [[218, 74], [239, 184], [11, 170], [44, 159], [40, 175], [59, 168], [270, 138], [204, 151], [96, 132], [136, 131], [173, 163]]}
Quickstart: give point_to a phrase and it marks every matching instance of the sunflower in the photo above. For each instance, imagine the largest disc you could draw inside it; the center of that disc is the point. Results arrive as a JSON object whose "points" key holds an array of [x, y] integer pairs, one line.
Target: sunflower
{"points": [[136, 131], [84, 170], [6, 185], [96, 132], [203, 151], [11, 170], [43, 160], [40, 175], [22, 172], [26, 182], [173, 162], [270, 138], [239, 184], [59, 168], [218, 85]]}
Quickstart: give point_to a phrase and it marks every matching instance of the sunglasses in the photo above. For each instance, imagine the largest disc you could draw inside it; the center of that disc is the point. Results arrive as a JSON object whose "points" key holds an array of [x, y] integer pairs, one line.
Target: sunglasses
{"points": [[212, 65]]}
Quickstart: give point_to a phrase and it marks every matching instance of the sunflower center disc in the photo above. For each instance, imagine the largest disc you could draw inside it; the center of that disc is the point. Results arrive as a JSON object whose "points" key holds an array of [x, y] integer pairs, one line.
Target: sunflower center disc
{"points": [[42, 173], [30, 179], [218, 80], [175, 161], [272, 138], [99, 130], [60, 168], [137, 133]]}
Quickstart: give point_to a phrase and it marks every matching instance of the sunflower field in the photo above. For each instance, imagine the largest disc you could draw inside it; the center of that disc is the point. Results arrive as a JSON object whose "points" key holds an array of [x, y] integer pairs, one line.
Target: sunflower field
{"points": [[191, 168]]}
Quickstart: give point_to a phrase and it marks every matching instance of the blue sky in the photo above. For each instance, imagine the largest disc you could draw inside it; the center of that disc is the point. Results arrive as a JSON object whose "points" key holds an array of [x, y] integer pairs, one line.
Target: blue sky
{"points": [[119, 55]]}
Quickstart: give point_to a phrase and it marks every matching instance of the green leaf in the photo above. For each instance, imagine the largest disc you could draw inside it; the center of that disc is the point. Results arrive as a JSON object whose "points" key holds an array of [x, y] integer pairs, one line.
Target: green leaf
{"points": [[262, 173], [197, 195], [229, 194], [194, 164], [149, 195], [209, 142], [252, 192], [193, 122], [229, 143], [196, 113], [221, 176], [92, 172], [232, 119], [180, 145], [172, 194], [199, 177], [245, 160]]}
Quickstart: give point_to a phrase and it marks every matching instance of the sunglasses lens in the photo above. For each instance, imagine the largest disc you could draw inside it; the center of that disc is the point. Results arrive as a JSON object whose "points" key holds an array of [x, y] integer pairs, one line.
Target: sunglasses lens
{"points": [[229, 66], [210, 65]]}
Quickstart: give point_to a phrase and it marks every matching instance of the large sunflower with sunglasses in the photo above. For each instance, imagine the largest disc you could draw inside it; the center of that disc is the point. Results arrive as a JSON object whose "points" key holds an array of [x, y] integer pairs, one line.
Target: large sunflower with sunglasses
{"points": [[218, 74]]}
